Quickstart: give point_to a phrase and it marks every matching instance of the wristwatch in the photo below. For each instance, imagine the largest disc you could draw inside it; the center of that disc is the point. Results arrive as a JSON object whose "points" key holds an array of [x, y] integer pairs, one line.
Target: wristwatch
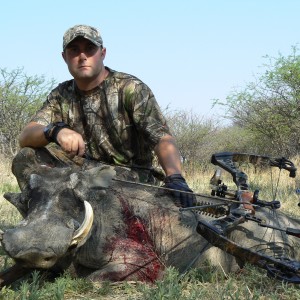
{"points": [[47, 132], [51, 131]]}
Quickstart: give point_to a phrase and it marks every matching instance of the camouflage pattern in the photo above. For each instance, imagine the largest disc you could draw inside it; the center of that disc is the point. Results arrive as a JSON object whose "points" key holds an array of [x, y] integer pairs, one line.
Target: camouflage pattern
{"points": [[88, 32], [120, 120]]}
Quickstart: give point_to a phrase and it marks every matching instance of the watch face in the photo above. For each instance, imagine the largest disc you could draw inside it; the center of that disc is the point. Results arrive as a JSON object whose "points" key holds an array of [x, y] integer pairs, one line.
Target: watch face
{"points": [[51, 130], [47, 130], [48, 127], [60, 124]]}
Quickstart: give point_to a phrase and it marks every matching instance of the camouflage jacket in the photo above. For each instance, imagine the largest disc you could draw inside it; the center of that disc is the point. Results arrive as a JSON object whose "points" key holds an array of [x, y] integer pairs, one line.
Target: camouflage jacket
{"points": [[119, 120]]}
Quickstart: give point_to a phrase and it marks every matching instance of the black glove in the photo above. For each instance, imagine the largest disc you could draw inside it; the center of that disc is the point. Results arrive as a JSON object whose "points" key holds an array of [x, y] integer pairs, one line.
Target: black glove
{"points": [[178, 183]]}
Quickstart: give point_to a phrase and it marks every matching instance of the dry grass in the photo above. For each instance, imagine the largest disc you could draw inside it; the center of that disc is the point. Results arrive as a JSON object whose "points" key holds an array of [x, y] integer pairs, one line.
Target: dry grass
{"points": [[8, 213], [6, 174]]}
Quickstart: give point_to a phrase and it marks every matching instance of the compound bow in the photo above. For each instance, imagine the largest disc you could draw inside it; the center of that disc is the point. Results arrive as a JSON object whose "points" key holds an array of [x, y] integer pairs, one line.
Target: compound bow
{"points": [[241, 208]]}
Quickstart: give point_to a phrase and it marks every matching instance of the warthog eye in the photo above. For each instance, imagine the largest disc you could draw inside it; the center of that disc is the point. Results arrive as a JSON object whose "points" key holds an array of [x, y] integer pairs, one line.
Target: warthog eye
{"points": [[69, 202]]}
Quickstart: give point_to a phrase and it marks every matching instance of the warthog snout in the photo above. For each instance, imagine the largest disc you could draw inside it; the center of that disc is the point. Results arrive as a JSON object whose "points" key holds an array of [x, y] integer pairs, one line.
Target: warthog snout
{"points": [[34, 258]]}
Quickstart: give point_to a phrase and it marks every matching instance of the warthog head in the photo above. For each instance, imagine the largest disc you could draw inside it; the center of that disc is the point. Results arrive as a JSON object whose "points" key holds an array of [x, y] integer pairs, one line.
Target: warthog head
{"points": [[57, 216]]}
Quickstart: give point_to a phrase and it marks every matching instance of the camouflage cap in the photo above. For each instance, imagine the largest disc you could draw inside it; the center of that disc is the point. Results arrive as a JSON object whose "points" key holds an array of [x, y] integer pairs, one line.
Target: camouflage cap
{"points": [[87, 32]]}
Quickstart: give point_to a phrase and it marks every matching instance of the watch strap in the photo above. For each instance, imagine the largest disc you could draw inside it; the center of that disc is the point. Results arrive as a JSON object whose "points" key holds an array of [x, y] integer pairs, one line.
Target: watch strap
{"points": [[47, 132], [57, 128], [51, 131]]}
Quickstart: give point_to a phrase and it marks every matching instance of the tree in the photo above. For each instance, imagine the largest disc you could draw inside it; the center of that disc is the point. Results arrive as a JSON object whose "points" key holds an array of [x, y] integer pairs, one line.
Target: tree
{"points": [[269, 106], [194, 136], [20, 96]]}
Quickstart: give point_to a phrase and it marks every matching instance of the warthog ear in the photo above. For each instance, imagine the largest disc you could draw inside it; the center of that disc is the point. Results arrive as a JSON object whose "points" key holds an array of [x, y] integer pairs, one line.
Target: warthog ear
{"points": [[98, 177], [35, 181], [17, 200], [101, 177]]}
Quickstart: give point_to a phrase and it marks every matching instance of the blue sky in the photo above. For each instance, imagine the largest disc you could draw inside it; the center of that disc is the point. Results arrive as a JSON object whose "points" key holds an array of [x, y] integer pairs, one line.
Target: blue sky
{"points": [[189, 52]]}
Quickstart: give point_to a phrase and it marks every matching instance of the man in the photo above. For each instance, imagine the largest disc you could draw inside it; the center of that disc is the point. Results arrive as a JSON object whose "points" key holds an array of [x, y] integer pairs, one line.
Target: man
{"points": [[105, 115]]}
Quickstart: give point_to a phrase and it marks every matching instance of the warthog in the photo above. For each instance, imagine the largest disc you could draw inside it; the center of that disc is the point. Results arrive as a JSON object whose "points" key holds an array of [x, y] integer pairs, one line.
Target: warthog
{"points": [[100, 226]]}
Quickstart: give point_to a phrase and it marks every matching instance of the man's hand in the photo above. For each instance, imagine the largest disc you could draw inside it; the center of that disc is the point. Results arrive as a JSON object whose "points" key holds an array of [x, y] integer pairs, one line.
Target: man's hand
{"points": [[177, 183], [71, 142], [36, 135]]}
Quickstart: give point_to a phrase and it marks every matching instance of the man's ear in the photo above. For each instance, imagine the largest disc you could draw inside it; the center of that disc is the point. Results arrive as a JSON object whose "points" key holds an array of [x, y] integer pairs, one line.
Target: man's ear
{"points": [[64, 56], [103, 53]]}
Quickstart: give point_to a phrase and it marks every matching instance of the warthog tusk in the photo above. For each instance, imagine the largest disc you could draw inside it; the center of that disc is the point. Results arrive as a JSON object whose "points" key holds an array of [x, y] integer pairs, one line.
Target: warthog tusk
{"points": [[82, 233]]}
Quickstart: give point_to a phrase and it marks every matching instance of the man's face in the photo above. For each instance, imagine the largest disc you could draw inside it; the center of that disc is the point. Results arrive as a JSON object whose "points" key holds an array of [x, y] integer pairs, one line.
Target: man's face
{"points": [[84, 59]]}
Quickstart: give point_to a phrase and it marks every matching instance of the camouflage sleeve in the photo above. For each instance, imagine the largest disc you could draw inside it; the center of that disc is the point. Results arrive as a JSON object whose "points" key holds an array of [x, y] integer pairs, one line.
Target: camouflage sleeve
{"points": [[147, 115], [50, 110]]}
